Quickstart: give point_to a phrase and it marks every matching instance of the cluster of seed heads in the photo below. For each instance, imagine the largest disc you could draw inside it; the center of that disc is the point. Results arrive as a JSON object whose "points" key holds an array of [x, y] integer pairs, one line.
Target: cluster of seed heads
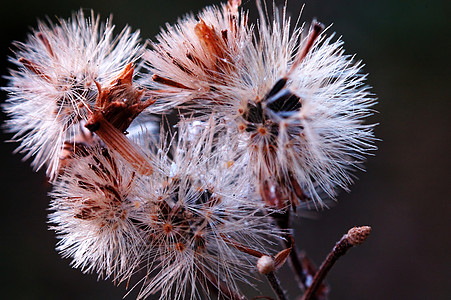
{"points": [[269, 119]]}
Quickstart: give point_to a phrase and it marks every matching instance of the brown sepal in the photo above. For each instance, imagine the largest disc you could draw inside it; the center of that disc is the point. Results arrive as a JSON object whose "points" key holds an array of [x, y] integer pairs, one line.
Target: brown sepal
{"points": [[117, 141], [209, 39], [281, 257], [120, 103], [271, 194], [46, 43]]}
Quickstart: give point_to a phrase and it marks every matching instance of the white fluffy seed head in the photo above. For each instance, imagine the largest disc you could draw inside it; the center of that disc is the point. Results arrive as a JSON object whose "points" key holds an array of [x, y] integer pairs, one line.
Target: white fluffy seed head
{"points": [[197, 54], [93, 204], [187, 224], [293, 99], [198, 208], [53, 87], [313, 114]]}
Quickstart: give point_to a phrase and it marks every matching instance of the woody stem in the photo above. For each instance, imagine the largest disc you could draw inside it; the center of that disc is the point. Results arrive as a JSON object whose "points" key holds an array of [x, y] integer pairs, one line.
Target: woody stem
{"points": [[283, 221], [275, 284], [355, 236]]}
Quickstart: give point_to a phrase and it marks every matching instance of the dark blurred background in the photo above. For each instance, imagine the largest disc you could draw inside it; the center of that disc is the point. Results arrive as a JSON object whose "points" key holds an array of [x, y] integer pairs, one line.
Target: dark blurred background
{"points": [[403, 195]]}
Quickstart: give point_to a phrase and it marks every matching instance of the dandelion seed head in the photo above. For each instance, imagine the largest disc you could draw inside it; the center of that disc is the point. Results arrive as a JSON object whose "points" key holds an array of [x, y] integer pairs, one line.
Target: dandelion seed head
{"points": [[270, 117]]}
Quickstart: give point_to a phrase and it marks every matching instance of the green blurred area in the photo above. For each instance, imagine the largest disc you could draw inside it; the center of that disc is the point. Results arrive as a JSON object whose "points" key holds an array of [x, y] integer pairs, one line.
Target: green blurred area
{"points": [[403, 195]]}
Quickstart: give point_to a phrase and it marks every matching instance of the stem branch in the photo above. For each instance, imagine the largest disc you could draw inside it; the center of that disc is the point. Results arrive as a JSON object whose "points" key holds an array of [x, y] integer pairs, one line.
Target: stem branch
{"points": [[355, 236], [275, 284]]}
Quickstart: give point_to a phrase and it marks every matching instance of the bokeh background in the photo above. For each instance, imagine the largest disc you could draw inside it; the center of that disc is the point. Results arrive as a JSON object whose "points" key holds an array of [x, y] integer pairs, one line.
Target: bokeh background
{"points": [[404, 194]]}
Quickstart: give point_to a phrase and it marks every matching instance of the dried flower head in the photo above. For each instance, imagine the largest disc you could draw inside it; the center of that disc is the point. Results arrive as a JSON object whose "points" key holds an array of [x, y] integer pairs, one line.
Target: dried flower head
{"points": [[93, 205], [198, 54], [198, 218], [54, 86], [293, 98], [192, 225]]}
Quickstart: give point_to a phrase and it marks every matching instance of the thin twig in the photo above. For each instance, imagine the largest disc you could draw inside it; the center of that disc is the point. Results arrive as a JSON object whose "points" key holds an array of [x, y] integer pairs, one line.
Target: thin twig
{"points": [[298, 269], [275, 284], [355, 236], [283, 222]]}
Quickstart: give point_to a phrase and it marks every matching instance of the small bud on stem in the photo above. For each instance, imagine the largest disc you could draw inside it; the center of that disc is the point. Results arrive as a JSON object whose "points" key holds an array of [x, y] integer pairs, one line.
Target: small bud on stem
{"points": [[266, 264], [355, 236]]}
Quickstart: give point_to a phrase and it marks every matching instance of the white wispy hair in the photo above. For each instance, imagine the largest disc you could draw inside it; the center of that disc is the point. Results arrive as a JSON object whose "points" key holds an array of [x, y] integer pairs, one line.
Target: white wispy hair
{"points": [[53, 85], [198, 211], [293, 97], [193, 56], [93, 204], [193, 225], [302, 113], [267, 113]]}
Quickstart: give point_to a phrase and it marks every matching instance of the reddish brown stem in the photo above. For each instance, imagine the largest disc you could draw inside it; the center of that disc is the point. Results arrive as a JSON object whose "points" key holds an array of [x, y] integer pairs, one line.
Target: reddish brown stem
{"points": [[355, 236], [275, 284], [283, 221]]}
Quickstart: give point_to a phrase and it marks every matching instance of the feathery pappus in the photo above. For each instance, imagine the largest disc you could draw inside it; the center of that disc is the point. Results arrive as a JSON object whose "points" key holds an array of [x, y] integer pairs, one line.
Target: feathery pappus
{"points": [[271, 117], [60, 70], [292, 96], [191, 225], [198, 217], [199, 53], [93, 204]]}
